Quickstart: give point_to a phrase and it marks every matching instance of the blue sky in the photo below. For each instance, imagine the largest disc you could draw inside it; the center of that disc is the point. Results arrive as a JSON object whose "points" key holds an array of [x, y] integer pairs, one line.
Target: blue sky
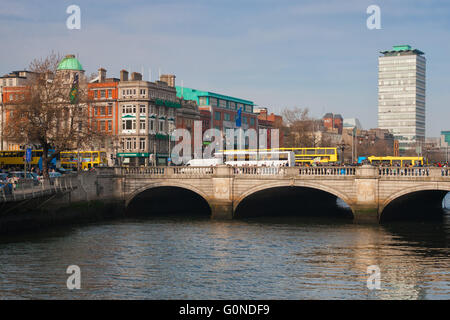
{"points": [[312, 53]]}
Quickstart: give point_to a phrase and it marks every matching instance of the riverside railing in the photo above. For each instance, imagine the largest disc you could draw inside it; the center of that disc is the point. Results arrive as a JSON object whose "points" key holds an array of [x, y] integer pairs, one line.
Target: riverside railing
{"points": [[28, 189]]}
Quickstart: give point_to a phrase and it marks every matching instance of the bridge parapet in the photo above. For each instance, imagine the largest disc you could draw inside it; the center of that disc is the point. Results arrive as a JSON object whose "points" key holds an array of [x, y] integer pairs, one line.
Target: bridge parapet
{"points": [[414, 172]]}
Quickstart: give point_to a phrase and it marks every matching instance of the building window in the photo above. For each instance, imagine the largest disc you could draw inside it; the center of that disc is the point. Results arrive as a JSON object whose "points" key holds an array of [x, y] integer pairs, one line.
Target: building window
{"points": [[128, 143], [252, 121], [217, 115], [245, 120], [202, 101], [222, 103], [110, 109], [213, 102], [128, 124], [110, 93], [102, 110], [152, 125], [102, 93], [142, 124], [109, 125], [227, 117], [142, 108], [142, 143]]}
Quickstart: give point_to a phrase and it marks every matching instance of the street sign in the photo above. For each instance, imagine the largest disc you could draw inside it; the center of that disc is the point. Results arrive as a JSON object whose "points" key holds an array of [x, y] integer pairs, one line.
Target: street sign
{"points": [[28, 155]]}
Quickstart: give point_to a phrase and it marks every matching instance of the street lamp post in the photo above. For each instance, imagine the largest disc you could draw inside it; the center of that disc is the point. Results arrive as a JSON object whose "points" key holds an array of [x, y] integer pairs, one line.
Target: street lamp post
{"points": [[341, 147], [1, 115]]}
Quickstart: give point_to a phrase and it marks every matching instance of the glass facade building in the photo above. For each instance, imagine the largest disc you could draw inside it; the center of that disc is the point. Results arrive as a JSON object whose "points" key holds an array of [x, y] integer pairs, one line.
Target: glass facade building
{"points": [[401, 95]]}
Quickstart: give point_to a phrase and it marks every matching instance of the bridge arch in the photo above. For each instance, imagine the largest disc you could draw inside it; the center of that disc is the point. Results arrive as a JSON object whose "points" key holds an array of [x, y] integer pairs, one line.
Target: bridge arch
{"points": [[431, 194], [164, 184], [284, 184]]}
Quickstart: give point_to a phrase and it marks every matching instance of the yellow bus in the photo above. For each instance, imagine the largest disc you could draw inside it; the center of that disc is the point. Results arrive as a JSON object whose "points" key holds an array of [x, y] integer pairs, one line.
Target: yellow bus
{"points": [[83, 159], [396, 161], [14, 158], [305, 155], [310, 155]]}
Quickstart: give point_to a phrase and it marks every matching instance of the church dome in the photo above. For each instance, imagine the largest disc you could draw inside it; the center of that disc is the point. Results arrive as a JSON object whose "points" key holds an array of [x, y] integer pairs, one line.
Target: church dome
{"points": [[70, 63]]}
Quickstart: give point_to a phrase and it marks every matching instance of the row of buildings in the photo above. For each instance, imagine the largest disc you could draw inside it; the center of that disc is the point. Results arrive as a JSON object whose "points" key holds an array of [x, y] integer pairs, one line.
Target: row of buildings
{"points": [[137, 117]]}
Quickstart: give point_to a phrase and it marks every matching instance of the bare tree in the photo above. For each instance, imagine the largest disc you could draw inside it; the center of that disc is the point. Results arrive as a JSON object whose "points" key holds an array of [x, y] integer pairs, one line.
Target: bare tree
{"points": [[301, 129], [52, 112]]}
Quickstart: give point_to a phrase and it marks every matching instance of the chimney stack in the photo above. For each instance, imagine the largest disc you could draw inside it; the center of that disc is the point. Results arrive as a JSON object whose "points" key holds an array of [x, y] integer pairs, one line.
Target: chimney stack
{"points": [[101, 75], [168, 78], [136, 76], [123, 75]]}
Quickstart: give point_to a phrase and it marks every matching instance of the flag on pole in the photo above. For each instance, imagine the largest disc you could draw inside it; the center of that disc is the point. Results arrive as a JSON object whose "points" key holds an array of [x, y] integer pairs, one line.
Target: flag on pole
{"points": [[73, 95], [239, 118]]}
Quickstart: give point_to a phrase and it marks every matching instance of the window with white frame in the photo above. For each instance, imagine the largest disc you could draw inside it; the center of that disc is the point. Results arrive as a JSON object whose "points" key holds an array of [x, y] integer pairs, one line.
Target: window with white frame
{"points": [[129, 124], [151, 125], [142, 143]]}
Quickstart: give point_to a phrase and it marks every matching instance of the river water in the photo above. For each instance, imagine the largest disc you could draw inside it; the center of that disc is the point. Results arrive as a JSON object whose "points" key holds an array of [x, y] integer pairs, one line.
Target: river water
{"points": [[261, 258]]}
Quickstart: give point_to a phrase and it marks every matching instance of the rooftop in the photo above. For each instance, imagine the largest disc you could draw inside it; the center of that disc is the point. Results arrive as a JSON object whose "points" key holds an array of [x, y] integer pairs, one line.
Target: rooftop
{"points": [[70, 63], [193, 94], [399, 49]]}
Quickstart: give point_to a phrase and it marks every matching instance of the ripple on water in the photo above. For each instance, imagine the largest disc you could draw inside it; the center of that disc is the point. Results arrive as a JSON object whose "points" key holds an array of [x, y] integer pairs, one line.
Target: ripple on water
{"points": [[253, 259]]}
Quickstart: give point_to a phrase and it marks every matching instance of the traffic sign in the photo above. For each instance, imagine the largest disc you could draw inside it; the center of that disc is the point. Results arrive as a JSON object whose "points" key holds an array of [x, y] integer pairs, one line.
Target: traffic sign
{"points": [[28, 155]]}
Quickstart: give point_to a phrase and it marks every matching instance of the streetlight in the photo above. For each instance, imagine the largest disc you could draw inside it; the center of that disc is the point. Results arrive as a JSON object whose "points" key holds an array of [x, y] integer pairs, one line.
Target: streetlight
{"points": [[341, 147]]}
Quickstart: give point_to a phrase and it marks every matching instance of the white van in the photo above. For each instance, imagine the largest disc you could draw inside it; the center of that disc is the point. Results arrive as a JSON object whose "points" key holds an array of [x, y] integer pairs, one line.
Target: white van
{"points": [[204, 162]]}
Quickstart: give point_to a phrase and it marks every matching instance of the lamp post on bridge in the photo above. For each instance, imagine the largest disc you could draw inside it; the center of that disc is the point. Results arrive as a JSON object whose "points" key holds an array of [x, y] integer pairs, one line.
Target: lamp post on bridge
{"points": [[341, 147]]}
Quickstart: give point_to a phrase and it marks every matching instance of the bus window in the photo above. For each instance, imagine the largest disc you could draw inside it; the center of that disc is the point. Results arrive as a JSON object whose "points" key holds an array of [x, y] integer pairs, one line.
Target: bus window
{"points": [[320, 151], [406, 163], [396, 162]]}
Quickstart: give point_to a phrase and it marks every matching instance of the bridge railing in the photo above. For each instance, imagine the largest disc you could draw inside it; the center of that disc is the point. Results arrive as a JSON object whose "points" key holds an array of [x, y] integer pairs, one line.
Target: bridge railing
{"points": [[414, 172], [27, 189], [295, 171], [327, 171], [166, 171], [142, 170], [285, 171], [193, 170]]}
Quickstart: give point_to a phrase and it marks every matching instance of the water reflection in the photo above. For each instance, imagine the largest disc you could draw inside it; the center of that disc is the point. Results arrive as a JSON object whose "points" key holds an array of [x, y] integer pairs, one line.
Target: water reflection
{"points": [[261, 258]]}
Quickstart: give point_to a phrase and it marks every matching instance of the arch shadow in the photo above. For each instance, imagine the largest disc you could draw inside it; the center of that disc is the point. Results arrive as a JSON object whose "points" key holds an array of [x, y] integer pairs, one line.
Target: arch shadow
{"points": [[415, 204], [162, 199], [291, 199]]}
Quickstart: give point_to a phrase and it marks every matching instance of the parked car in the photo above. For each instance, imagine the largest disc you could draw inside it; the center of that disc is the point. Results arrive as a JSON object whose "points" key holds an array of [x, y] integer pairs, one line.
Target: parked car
{"points": [[20, 175], [3, 177], [5, 188], [65, 171], [51, 175]]}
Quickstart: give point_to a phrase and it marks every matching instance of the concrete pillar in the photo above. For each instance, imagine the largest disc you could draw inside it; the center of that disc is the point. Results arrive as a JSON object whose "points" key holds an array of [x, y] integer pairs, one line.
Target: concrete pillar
{"points": [[365, 206], [221, 201]]}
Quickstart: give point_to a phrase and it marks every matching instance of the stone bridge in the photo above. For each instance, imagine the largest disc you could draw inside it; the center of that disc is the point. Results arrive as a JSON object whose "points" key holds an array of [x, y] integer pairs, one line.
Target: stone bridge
{"points": [[371, 193]]}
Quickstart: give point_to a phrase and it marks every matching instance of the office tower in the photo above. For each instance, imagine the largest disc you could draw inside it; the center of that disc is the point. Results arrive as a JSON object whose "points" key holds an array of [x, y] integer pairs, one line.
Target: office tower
{"points": [[401, 95]]}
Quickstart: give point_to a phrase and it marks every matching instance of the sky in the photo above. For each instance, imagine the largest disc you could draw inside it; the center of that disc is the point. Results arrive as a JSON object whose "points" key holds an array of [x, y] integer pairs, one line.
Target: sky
{"points": [[279, 54]]}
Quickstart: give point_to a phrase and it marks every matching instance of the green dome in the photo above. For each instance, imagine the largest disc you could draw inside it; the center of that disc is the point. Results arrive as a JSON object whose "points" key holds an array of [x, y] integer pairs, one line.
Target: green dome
{"points": [[70, 63]]}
